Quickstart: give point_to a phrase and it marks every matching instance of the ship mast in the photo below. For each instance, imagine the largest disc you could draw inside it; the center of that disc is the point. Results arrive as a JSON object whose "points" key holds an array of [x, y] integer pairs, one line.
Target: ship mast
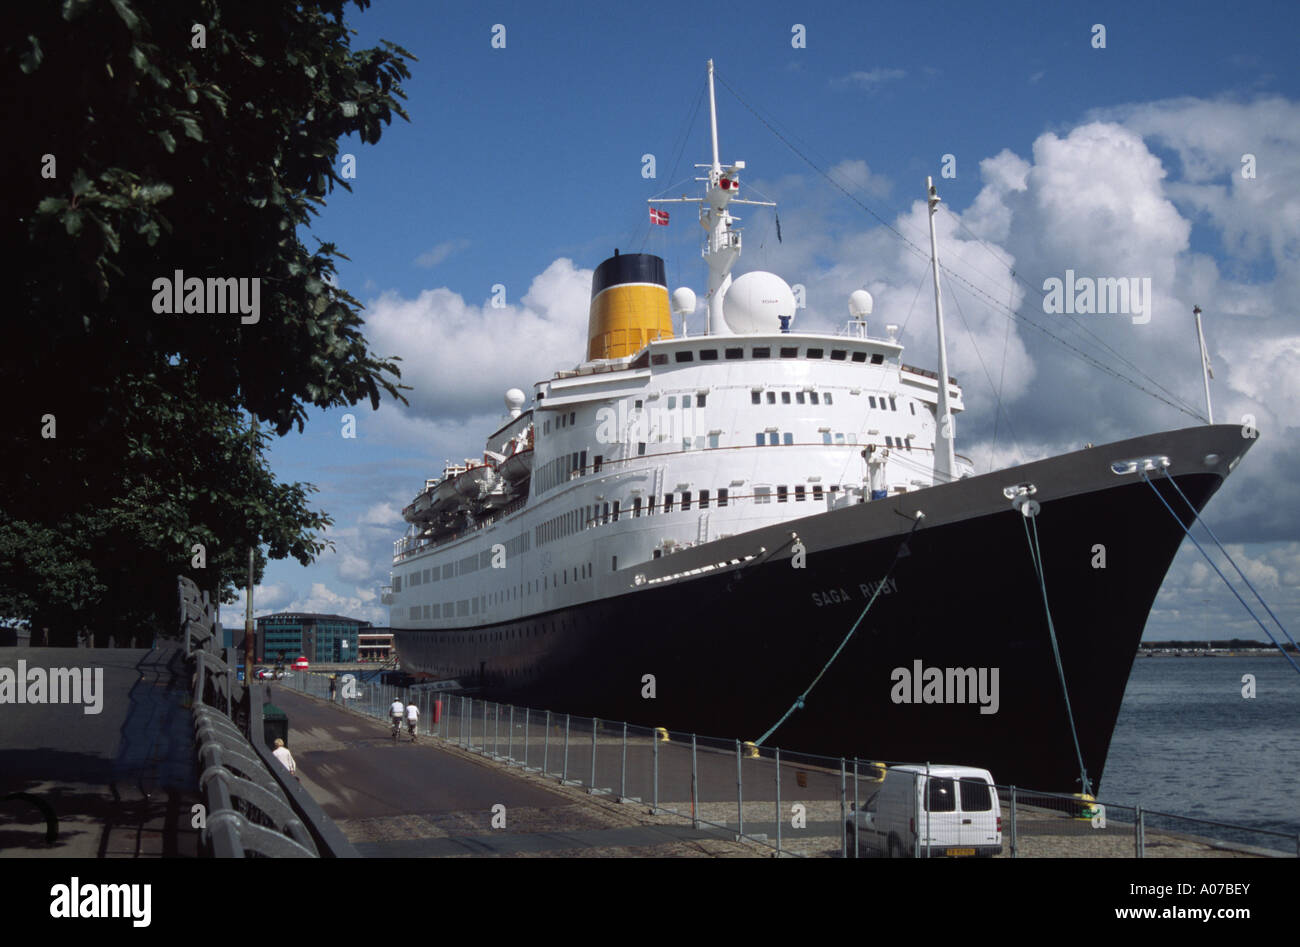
{"points": [[722, 245], [1206, 373], [944, 459]]}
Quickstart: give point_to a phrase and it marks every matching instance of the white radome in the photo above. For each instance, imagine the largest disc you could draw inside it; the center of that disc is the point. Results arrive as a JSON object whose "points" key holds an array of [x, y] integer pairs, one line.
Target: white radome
{"points": [[683, 300], [860, 303], [756, 301], [515, 399]]}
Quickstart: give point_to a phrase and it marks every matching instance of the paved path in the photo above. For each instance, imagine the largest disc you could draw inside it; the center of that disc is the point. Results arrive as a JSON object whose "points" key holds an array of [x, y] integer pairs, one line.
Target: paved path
{"points": [[421, 800]]}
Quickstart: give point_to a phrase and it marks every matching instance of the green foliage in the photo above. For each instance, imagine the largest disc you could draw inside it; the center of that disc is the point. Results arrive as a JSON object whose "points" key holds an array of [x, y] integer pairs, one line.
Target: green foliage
{"points": [[211, 161]]}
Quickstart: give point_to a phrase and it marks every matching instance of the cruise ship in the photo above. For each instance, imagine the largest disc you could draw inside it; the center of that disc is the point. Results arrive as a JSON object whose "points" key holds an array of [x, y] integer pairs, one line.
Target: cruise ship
{"points": [[721, 511]]}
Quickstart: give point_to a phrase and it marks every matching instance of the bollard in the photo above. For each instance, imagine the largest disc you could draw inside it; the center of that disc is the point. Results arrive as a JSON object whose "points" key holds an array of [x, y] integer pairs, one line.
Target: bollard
{"points": [[776, 753], [622, 779]]}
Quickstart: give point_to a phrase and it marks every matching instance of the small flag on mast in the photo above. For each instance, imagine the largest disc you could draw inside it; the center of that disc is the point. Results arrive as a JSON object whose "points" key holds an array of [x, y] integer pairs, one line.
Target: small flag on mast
{"points": [[659, 217], [778, 228]]}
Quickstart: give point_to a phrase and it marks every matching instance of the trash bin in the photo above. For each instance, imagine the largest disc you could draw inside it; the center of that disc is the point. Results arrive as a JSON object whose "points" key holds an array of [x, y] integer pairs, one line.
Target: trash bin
{"points": [[275, 723]]}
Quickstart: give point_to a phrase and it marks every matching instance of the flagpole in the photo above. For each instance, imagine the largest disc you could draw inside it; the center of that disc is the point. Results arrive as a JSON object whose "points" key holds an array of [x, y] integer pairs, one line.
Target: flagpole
{"points": [[1205, 363]]}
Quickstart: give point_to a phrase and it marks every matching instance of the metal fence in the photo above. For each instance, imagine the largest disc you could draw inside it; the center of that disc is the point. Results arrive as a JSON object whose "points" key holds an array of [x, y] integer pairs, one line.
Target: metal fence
{"points": [[798, 804]]}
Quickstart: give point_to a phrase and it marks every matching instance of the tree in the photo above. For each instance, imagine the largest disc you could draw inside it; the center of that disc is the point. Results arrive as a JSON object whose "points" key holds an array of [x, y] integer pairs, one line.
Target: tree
{"points": [[197, 136]]}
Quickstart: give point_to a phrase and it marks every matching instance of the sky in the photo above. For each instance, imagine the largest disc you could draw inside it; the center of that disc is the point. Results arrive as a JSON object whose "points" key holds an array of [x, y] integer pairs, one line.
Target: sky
{"points": [[1144, 140]]}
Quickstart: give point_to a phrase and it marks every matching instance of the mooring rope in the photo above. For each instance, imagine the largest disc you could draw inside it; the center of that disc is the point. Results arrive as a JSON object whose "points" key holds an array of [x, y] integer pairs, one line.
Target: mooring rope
{"points": [[799, 701], [1215, 567], [1036, 554]]}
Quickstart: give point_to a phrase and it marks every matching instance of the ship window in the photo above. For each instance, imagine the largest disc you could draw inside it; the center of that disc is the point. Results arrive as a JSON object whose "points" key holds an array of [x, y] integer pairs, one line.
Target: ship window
{"points": [[813, 397], [772, 437], [573, 417], [708, 355], [686, 443], [613, 563], [871, 399], [889, 441], [650, 510], [782, 494], [853, 438], [668, 502], [814, 353], [582, 461], [892, 405], [817, 491], [758, 439], [546, 428], [615, 511], [771, 397], [876, 358], [734, 353], [912, 405], [756, 397], [826, 437], [785, 397], [397, 583], [699, 401], [827, 398], [837, 355], [714, 440], [636, 507], [722, 496], [859, 356], [787, 438], [657, 553], [789, 352], [425, 576], [672, 402], [595, 464], [762, 494], [684, 356], [704, 499], [605, 519], [658, 359], [640, 449], [638, 404], [762, 352], [800, 397], [839, 438], [686, 500], [800, 493]]}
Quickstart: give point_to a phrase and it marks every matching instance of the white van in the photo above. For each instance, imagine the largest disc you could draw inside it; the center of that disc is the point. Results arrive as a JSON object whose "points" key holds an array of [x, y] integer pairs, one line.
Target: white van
{"points": [[930, 811]]}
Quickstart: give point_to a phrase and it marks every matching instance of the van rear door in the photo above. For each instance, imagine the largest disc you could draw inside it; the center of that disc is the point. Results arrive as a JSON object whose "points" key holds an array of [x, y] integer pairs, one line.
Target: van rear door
{"points": [[938, 824], [979, 814]]}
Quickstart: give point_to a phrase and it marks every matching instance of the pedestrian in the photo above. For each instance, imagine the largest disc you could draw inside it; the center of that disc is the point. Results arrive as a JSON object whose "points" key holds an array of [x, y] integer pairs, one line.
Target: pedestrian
{"points": [[334, 686], [412, 717], [281, 753]]}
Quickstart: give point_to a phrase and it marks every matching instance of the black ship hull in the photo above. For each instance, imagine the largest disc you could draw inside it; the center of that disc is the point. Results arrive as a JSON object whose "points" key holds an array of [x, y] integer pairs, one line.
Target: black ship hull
{"points": [[731, 648]]}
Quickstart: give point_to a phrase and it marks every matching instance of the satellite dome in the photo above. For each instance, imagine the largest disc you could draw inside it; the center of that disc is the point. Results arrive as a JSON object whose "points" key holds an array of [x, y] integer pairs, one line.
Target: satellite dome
{"points": [[515, 401], [683, 300], [860, 303], [755, 303]]}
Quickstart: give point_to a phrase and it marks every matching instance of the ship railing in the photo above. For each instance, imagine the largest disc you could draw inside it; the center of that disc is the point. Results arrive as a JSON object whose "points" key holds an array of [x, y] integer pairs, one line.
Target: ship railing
{"points": [[414, 546], [779, 801]]}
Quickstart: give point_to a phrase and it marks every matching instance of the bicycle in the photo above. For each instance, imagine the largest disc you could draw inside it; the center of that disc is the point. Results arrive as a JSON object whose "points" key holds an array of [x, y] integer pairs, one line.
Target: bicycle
{"points": [[410, 726], [397, 727]]}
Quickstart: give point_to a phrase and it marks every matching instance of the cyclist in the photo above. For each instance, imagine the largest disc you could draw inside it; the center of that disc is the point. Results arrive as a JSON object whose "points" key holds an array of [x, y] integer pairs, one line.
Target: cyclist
{"points": [[412, 717], [397, 710]]}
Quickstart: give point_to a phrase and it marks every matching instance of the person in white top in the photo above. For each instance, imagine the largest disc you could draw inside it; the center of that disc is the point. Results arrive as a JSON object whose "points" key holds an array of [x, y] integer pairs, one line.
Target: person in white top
{"points": [[281, 753], [412, 717], [397, 710]]}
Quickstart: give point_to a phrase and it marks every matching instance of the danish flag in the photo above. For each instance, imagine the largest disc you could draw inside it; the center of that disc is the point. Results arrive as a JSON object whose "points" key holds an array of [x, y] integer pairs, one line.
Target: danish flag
{"points": [[659, 217]]}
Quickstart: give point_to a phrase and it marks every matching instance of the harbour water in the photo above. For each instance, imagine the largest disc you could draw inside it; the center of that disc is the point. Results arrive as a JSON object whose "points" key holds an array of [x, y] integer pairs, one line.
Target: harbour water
{"points": [[1188, 742]]}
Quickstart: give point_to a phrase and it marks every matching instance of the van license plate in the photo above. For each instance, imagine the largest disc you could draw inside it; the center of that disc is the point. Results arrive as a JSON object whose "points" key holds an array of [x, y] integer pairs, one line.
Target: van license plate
{"points": [[960, 851]]}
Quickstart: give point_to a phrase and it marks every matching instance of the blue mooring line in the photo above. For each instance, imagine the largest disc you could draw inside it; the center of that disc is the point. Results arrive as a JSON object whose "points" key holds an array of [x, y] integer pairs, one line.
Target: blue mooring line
{"points": [[1215, 567], [1036, 554], [799, 701]]}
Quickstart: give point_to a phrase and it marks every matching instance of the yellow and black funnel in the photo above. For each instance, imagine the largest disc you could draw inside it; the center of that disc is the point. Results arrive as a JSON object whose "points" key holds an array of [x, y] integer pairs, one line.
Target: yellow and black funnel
{"points": [[629, 305]]}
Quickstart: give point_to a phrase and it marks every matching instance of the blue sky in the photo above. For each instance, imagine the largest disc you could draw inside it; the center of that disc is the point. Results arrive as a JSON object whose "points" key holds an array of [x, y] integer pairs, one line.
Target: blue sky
{"points": [[522, 166]]}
